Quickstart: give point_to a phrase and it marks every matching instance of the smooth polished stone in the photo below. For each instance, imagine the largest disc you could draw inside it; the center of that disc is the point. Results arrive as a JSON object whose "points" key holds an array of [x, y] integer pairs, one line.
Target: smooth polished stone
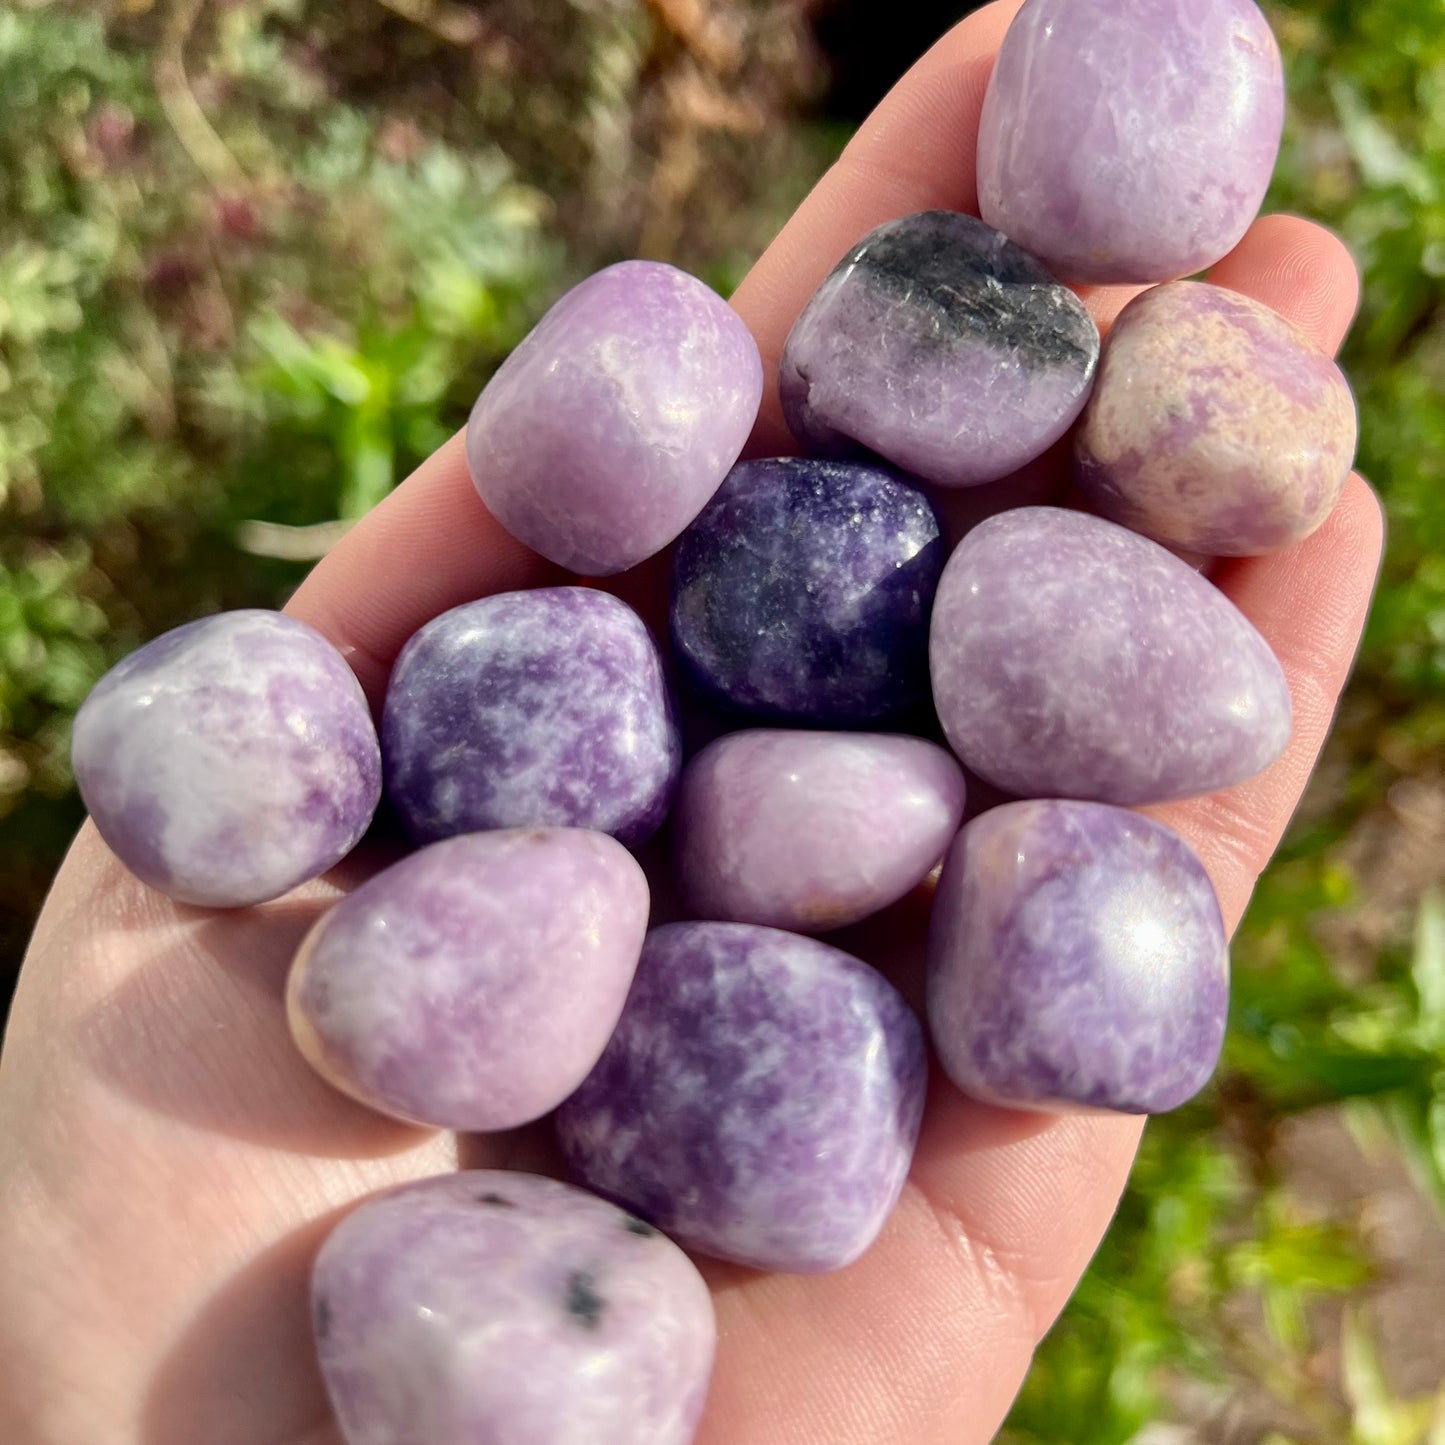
{"points": [[1073, 658], [811, 831], [472, 985], [604, 433], [802, 592], [1130, 140], [1216, 426], [502, 1308], [229, 760], [760, 1100], [531, 709], [1077, 959], [941, 346]]}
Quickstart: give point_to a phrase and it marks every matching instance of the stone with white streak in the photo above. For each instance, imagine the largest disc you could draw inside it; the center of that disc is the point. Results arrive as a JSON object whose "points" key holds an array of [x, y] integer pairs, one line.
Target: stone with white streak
{"points": [[229, 760]]}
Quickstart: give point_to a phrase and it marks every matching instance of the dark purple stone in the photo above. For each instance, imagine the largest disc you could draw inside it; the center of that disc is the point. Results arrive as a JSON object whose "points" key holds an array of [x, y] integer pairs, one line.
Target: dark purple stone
{"points": [[760, 1100], [531, 709], [1077, 959], [802, 593]]}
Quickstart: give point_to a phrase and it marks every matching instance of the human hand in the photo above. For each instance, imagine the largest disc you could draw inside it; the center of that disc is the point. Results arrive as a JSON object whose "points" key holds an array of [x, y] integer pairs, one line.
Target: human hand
{"points": [[171, 1164]]}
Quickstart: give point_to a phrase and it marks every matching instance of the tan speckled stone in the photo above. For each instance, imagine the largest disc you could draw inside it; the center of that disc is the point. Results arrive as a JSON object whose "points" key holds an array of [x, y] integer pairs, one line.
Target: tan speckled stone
{"points": [[1215, 425]]}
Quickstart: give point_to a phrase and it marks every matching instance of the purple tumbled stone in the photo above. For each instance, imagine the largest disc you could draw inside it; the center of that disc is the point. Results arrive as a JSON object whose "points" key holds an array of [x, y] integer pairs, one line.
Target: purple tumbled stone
{"points": [[940, 345], [1216, 426], [229, 760], [472, 985], [1073, 658], [811, 831], [605, 432], [759, 1101], [531, 709], [1077, 959], [492, 1308], [802, 592], [1130, 140]]}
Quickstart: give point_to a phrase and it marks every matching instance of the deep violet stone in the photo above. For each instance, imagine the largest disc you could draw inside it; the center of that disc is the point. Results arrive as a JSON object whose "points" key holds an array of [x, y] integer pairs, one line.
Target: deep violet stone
{"points": [[940, 345], [1216, 426], [530, 709], [1073, 658], [803, 591], [229, 760], [603, 434], [472, 985], [759, 1101], [497, 1307], [811, 831], [1130, 140], [1077, 959]]}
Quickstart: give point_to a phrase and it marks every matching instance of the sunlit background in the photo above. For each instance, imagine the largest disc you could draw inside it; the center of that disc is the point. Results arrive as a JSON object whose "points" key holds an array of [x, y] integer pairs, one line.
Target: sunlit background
{"points": [[256, 259]]}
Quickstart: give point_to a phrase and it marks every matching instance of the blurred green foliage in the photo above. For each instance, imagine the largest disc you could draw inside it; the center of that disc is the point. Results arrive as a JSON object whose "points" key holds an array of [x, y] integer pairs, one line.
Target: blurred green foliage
{"points": [[257, 257]]}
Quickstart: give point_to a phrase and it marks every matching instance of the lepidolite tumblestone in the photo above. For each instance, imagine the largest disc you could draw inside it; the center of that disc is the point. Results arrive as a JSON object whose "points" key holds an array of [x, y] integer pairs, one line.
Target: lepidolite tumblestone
{"points": [[811, 831], [1077, 959], [497, 1307], [472, 985], [603, 434], [1130, 140], [759, 1101], [531, 709], [1073, 658], [229, 760], [802, 592], [940, 345], [1216, 426]]}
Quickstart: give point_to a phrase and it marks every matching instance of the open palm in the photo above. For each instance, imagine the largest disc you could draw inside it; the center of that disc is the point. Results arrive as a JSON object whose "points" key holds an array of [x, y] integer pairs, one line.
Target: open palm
{"points": [[170, 1164]]}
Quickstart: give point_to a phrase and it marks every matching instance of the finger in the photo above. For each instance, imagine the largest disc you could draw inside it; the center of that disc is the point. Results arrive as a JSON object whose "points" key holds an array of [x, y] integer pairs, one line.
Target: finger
{"points": [[430, 546]]}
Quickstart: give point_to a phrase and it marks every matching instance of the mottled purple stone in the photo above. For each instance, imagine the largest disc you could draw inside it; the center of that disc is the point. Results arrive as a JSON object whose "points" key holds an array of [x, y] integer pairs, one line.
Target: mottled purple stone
{"points": [[1073, 658], [473, 985], [603, 434], [811, 831], [1216, 426], [1130, 140], [229, 760], [530, 709], [1077, 959], [802, 592], [940, 345], [759, 1101], [491, 1308]]}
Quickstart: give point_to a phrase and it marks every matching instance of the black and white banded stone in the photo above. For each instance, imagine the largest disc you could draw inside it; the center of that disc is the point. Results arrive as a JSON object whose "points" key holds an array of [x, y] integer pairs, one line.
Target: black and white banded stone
{"points": [[941, 346]]}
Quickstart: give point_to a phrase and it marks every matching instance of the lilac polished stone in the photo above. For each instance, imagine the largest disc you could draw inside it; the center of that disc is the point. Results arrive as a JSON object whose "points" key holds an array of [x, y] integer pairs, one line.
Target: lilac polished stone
{"points": [[759, 1101], [1216, 426], [529, 709], [603, 434], [229, 760], [1077, 959], [811, 831], [491, 1308], [940, 345], [1075, 659], [802, 592], [473, 985], [1130, 140]]}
